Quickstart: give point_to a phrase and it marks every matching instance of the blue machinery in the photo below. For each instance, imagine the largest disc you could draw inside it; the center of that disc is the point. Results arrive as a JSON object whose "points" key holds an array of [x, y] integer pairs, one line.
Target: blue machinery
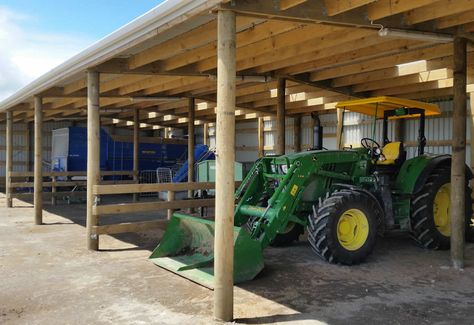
{"points": [[69, 153]]}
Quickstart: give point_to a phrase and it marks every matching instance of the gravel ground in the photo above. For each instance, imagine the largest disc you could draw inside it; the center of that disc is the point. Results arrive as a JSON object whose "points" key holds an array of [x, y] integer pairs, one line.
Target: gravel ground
{"points": [[48, 277]]}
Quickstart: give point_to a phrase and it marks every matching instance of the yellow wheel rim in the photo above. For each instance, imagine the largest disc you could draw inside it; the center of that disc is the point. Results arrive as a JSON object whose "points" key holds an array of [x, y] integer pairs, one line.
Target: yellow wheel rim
{"points": [[352, 229], [441, 204]]}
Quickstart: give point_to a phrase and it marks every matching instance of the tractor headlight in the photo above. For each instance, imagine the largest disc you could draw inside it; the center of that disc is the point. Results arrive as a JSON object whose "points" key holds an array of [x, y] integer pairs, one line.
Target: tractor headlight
{"points": [[284, 169]]}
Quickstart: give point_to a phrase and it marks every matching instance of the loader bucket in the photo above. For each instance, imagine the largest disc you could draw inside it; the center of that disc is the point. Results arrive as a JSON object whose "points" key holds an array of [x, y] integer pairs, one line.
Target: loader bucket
{"points": [[187, 249]]}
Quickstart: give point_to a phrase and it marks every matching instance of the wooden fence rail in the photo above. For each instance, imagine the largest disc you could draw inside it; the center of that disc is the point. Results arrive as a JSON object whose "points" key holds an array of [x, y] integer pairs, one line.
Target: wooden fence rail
{"points": [[55, 183], [123, 208]]}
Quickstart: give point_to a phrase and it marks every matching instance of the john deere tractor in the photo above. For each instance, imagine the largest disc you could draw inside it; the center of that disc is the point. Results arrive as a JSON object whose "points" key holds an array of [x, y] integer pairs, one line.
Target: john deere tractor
{"points": [[343, 198]]}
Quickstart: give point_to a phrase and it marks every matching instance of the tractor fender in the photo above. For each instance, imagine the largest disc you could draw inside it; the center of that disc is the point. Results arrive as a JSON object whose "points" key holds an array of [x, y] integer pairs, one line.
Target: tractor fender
{"points": [[415, 172], [360, 190]]}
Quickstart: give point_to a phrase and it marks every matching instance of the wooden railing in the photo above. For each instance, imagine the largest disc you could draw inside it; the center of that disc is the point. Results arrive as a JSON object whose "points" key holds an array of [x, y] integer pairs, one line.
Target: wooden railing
{"points": [[24, 180], [170, 205], [122, 208]]}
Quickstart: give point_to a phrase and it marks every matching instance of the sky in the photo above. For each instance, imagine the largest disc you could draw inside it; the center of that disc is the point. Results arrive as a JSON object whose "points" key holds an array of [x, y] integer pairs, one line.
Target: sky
{"points": [[37, 35]]}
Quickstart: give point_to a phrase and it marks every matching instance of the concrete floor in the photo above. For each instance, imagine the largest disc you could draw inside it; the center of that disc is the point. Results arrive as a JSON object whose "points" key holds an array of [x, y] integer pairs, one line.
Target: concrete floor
{"points": [[48, 277]]}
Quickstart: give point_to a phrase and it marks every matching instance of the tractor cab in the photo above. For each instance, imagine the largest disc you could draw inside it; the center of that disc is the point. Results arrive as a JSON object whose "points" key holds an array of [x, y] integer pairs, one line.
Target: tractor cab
{"points": [[391, 153]]}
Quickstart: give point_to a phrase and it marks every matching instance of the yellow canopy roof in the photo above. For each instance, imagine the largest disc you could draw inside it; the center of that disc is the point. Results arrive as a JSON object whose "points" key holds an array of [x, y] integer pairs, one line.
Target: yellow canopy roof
{"points": [[381, 104]]}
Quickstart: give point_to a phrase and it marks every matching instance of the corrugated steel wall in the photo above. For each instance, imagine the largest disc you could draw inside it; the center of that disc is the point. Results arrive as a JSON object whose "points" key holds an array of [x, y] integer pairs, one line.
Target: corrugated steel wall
{"points": [[438, 131], [20, 144]]}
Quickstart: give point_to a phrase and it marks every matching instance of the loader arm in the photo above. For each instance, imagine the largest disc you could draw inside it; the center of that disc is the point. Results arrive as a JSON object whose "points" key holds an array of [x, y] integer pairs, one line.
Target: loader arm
{"points": [[283, 180]]}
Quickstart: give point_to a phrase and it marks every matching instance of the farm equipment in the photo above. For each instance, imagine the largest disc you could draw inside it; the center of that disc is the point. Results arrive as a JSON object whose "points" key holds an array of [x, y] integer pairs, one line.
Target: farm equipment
{"points": [[344, 198]]}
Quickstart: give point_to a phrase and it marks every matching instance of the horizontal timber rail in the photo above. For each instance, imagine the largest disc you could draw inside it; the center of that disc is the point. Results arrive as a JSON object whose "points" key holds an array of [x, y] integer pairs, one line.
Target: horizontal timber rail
{"points": [[73, 174], [22, 183], [170, 205], [143, 188]]}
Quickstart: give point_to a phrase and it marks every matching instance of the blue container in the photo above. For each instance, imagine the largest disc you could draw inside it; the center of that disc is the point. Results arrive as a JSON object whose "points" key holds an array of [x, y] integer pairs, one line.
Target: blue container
{"points": [[69, 152]]}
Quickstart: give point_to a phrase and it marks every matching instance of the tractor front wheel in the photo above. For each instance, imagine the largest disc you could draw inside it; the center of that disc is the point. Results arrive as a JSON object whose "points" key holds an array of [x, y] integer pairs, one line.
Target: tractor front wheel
{"points": [[291, 234], [343, 226], [430, 219]]}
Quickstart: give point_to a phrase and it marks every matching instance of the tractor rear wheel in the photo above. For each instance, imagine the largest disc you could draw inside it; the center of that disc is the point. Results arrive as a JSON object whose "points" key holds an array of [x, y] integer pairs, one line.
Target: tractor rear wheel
{"points": [[430, 219], [343, 226]]}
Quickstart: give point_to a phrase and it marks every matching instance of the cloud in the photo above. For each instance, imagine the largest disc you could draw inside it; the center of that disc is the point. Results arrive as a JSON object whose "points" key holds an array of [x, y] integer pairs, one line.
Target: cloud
{"points": [[27, 53]]}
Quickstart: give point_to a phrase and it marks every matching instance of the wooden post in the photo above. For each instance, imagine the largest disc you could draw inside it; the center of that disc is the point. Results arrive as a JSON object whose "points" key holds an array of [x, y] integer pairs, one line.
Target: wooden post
{"points": [[136, 143], [28, 146], [9, 158], [472, 140], [170, 198], [398, 130], [297, 133], [280, 141], [93, 153], [53, 190], [205, 134], [225, 184], [38, 170], [261, 137], [471, 115], [458, 171], [340, 122], [191, 113]]}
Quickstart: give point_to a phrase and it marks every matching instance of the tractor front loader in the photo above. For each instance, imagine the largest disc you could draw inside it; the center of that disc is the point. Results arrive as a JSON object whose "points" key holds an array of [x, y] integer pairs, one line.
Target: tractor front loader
{"points": [[344, 198]]}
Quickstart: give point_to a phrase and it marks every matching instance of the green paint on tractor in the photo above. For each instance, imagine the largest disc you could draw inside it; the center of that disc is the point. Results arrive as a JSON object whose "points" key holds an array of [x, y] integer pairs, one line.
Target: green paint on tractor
{"points": [[344, 198]]}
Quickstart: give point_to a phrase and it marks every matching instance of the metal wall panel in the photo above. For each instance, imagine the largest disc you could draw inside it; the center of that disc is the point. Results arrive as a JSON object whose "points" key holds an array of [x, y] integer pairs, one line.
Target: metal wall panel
{"points": [[358, 126]]}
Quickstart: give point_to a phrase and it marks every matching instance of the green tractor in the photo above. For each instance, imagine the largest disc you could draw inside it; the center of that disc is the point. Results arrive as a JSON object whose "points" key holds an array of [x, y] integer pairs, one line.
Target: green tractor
{"points": [[343, 198]]}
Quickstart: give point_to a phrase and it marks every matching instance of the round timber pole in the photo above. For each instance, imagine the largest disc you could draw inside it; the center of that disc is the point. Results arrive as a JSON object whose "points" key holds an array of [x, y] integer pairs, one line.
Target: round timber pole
{"points": [[93, 154], [136, 144], [297, 133], [261, 137], [280, 143], [38, 162], [191, 114], [205, 134], [458, 177], [339, 128], [225, 184], [9, 158]]}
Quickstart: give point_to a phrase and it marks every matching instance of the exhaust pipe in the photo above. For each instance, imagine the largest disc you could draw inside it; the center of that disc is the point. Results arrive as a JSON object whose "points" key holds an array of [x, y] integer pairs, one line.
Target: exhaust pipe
{"points": [[317, 132]]}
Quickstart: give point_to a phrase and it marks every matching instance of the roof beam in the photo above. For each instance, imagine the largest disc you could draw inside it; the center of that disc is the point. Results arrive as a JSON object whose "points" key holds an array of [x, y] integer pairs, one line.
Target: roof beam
{"points": [[335, 7], [311, 11], [437, 10], [244, 107], [304, 78], [385, 8], [456, 19], [287, 4], [121, 66]]}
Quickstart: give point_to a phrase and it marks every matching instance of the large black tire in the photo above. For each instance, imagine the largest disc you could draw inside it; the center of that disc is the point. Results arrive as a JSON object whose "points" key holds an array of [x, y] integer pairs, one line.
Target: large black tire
{"points": [[429, 221], [289, 235], [327, 235]]}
